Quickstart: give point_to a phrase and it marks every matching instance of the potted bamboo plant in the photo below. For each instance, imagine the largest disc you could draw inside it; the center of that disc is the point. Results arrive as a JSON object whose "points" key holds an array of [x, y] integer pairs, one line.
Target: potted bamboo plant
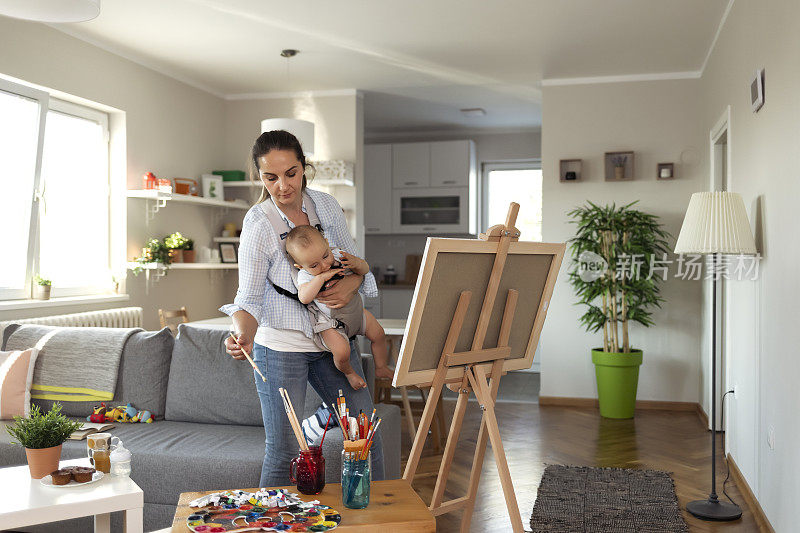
{"points": [[42, 436], [615, 248]]}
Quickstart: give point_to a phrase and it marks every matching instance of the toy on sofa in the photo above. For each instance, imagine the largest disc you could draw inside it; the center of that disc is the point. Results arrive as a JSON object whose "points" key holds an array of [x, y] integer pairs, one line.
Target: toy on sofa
{"points": [[99, 414], [143, 416], [125, 414]]}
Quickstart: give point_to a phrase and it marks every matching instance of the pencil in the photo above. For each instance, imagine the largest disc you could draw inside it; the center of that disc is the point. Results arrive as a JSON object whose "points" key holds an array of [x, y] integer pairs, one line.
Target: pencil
{"points": [[298, 433], [247, 355]]}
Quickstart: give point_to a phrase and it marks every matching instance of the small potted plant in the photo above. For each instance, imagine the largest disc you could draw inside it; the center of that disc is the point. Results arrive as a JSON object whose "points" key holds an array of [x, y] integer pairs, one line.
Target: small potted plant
{"points": [[41, 288], [155, 252], [175, 244], [42, 434], [614, 249], [619, 166], [188, 251]]}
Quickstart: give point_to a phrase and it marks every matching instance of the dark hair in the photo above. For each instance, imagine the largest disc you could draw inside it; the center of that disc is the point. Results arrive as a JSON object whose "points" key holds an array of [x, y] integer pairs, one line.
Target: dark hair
{"points": [[276, 140], [301, 237]]}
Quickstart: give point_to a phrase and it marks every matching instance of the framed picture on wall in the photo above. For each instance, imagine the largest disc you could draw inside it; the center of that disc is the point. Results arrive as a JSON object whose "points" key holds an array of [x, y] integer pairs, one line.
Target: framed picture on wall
{"points": [[757, 90], [228, 252]]}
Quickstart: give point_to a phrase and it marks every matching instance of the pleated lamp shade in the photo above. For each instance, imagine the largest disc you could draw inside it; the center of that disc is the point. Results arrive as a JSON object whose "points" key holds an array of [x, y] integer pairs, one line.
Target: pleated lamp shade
{"points": [[715, 222], [51, 10], [302, 129]]}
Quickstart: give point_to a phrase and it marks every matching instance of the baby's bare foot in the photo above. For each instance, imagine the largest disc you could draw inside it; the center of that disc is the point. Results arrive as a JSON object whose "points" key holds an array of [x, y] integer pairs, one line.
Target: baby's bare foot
{"points": [[356, 381]]}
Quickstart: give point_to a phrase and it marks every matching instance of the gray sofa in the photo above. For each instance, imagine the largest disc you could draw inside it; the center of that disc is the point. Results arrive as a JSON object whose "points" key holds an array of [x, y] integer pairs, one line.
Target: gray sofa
{"points": [[208, 434]]}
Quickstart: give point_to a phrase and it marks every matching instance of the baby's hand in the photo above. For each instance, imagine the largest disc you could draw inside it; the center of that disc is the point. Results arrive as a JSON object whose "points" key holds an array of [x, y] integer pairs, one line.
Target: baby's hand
{"points": [[347, 260], [330, 273], [384, 372]]}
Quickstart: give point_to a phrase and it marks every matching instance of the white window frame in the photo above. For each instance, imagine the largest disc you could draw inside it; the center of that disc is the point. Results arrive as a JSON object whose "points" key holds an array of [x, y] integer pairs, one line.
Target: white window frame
{"points": [[46, 104], [489, 166]]}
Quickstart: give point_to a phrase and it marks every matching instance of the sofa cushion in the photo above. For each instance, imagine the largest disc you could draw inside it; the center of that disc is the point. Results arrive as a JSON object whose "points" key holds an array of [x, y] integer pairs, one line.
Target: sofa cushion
{"points": [[141, 379], [206, 385]]}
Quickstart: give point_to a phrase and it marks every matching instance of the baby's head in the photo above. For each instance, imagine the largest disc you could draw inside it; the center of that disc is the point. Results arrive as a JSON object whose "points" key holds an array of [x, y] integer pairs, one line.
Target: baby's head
{"points": [[309, 250]]}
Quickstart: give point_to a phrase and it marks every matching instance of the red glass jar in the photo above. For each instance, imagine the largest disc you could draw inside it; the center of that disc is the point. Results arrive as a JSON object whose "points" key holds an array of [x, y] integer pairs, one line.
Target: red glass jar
{"points": [[307, 470]]}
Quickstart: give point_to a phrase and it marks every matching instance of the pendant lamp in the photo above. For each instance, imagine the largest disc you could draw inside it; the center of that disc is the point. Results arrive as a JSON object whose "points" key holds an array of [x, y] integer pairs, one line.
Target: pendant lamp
{"points": [[51, 10]]}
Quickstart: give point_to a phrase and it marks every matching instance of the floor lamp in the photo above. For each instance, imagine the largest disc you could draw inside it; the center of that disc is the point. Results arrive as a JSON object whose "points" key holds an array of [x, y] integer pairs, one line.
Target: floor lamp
{"points": [[716, 224]]}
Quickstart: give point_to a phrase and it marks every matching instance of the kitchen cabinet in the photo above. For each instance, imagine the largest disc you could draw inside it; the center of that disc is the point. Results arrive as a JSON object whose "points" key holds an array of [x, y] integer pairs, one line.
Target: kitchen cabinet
{"points": [[377, 188], [411, 165], [452, 163]]}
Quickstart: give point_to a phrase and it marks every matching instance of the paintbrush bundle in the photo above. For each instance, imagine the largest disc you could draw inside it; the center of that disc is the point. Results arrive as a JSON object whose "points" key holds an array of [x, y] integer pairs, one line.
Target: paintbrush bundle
{"points": [[298, 432]]}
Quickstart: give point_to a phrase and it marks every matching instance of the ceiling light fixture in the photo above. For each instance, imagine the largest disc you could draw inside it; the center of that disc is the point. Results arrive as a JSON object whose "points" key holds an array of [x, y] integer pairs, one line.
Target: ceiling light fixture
{"points": [[289, 52], [474, 112], [51, 10], [302, 129]]}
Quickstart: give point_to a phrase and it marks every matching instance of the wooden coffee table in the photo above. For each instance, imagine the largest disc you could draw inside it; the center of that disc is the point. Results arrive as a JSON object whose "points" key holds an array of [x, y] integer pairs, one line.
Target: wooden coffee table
{"points": [[394, 507]]}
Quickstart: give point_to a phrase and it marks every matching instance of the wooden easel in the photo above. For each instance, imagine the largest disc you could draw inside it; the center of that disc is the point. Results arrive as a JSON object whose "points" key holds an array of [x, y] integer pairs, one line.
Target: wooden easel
{"points": [[477, 365]]}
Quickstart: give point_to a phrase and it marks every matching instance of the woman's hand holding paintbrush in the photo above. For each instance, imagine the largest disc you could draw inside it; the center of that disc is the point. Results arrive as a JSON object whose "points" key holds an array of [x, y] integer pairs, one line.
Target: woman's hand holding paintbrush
{"points": [[244, 352]]}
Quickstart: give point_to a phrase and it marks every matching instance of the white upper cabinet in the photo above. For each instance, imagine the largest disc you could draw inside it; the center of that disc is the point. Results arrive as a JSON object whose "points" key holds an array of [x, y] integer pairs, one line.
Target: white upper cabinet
{"points": [[451, 163], [377, 188], [411, 165]]}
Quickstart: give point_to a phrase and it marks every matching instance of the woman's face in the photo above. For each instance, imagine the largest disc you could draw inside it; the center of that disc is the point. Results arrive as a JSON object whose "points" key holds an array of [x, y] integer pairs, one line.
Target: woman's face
{"points": [[282, 175]]}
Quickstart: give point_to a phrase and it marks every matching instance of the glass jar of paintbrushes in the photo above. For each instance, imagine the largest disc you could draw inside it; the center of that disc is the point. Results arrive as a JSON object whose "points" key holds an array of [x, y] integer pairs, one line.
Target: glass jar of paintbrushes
{"points": [[356, 479], [307, 470], [358, 433]]}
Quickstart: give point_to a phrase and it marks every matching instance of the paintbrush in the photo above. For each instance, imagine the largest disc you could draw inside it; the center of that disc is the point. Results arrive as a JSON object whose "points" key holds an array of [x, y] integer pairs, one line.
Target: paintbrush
{"points": [[247, 355]]}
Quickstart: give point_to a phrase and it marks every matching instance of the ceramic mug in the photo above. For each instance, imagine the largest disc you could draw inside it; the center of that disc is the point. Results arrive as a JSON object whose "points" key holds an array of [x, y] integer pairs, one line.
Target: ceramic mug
{"points": [[100, 441], [205, 254]]}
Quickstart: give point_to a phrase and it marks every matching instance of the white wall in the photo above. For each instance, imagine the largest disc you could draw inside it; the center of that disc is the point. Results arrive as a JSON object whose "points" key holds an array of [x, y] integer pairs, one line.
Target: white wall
{"points": [[658, 121], [172, 129], [763, 363]]}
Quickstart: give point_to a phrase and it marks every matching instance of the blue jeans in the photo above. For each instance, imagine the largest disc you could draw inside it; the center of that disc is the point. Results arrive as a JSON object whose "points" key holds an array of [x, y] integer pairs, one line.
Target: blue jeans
{"points": [[292, 370]]}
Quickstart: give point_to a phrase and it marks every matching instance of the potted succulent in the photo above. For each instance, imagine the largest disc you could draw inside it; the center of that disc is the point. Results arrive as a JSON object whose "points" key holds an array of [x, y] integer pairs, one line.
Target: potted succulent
{"points": [[619, 166], [41, 288], [42, 434], [615, 248], [175, 244], [154, 252], [188, 251]]}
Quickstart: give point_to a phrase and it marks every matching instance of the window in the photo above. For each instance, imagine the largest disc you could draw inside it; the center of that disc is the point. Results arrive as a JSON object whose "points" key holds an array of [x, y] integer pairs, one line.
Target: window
{"points": [[521, 182], [54, 194]]}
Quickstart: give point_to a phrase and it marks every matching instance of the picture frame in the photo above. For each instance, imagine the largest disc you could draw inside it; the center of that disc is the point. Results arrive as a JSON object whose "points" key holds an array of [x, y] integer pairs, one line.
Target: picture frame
{"points": [[213, 187], [228, 252], [757, 90]]}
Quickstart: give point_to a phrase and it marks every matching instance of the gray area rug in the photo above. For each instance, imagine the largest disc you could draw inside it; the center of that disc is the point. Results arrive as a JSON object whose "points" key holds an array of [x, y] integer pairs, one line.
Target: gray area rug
{"points": [[606, 500]]}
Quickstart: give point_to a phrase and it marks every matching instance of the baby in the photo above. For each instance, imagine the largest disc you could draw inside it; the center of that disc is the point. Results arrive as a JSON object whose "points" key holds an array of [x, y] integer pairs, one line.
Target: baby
{"points": [[317, 264]]}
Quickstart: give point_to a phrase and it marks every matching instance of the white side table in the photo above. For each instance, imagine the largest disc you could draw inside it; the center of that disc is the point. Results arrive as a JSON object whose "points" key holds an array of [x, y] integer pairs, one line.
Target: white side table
{"points": [[25, 501]]}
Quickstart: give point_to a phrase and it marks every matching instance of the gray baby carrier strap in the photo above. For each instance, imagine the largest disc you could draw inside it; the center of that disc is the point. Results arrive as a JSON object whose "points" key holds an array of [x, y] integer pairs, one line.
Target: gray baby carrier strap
{"points": [[282, 229]]}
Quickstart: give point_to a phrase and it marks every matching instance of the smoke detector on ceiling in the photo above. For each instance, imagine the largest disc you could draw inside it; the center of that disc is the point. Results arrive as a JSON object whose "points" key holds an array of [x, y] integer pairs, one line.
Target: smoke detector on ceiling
{"points": [[474, 112]]}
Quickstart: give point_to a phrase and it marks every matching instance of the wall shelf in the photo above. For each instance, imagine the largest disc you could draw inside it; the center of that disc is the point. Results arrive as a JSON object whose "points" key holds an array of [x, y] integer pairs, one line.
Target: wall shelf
{"points": [[243, 184], [153, 272], [155, 200], [227, 239], [572, 166]]}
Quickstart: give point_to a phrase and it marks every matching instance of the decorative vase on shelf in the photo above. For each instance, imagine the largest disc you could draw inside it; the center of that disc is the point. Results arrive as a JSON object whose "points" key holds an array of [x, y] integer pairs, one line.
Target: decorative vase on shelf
{"points": [[619, 173]]}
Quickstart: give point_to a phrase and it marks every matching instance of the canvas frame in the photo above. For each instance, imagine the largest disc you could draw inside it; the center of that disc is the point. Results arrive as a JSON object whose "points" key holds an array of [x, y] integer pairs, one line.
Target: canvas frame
{"points": [[412, 348]]}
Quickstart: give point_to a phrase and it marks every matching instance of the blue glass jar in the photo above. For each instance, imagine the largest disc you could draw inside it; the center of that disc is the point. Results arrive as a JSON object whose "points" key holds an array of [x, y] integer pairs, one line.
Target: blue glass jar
{"points": [[356, 480]]}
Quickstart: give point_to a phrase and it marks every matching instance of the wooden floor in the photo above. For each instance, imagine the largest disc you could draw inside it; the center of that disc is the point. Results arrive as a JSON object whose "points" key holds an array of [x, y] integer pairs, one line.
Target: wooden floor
{"points": [[535, 436]]}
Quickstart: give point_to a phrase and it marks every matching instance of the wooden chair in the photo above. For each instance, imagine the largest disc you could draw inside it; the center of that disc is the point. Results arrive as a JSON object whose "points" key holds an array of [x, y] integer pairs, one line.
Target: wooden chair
{"points": [[171, 319]]}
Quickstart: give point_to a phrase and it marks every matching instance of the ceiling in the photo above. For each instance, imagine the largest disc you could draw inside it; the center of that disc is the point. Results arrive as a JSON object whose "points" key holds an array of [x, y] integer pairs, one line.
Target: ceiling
{"points": [[418, 62]]}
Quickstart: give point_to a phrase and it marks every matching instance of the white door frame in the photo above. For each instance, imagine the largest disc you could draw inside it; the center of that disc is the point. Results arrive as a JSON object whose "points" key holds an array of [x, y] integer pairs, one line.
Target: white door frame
{"points": [[719, 180]]}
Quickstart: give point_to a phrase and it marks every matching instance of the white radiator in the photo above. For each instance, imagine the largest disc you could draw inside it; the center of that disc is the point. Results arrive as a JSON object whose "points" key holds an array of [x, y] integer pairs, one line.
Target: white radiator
{"points": [[122, 317]]}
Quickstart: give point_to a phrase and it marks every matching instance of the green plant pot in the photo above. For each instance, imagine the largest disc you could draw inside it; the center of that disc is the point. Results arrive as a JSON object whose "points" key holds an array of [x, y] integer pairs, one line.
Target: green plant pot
{"points": [[617, 379]]}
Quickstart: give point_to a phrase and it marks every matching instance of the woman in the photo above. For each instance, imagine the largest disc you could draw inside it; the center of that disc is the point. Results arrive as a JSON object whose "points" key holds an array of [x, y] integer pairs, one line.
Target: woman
{"points": [[271, 324]]}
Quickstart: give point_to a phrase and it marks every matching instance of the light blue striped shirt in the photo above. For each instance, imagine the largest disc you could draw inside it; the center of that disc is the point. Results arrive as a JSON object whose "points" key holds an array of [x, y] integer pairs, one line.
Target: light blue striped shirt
{"points": [[262, 261]]}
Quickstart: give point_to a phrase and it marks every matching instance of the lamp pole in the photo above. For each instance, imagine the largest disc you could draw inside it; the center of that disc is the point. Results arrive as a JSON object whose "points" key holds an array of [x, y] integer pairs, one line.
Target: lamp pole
{"points": [[712, 508]]}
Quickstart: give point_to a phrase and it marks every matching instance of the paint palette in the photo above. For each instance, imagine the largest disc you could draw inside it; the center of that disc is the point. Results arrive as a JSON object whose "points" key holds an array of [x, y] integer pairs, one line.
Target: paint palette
{"points": [[227, 512]]}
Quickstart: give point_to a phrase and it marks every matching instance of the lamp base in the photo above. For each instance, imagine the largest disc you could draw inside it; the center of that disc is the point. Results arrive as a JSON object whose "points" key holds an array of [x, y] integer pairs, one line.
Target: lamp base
{"points": [[714, 510]]}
